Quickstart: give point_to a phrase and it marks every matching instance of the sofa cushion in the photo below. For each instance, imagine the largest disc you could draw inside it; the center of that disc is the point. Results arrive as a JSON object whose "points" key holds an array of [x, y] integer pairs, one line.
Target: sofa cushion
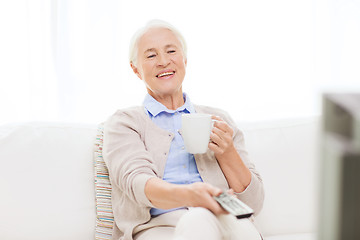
{"points": [[47, 181], [286, 155]]}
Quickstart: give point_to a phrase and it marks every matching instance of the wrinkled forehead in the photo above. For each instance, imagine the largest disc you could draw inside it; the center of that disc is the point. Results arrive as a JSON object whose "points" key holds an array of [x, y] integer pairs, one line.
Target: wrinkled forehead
{"points": [[158, 37]]}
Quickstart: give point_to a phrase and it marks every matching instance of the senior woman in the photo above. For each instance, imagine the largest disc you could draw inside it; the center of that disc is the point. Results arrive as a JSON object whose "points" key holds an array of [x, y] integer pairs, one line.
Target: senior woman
{"points": [[160, 191]]}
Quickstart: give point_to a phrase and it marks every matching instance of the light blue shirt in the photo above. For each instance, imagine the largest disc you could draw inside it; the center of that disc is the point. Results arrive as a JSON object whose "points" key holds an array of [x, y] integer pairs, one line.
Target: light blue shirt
{"points": [[180, 166]]}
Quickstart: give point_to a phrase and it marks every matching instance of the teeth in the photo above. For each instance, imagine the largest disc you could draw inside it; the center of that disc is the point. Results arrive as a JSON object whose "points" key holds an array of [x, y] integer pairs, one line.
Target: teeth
{"points": [[165, 74]]}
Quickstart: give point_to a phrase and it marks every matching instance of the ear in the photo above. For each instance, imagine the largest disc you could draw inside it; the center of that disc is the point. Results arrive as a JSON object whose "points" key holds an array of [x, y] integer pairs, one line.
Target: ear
{"points": [[135, 70], [186, 62]]}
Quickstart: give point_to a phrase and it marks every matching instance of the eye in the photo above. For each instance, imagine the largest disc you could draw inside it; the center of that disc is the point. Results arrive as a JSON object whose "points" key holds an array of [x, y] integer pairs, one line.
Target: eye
{"points": [[151, 56], [171, 51]]}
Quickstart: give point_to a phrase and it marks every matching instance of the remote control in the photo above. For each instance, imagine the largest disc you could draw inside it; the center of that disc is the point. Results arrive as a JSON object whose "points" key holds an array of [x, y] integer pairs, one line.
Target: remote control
{"points": [[234, 206]]}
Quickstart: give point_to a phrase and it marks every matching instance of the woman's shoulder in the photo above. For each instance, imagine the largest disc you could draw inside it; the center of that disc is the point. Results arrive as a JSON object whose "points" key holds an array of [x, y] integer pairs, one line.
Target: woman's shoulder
{"points": [[211, 110], [215, 111], [130, 111], [133, 114]]}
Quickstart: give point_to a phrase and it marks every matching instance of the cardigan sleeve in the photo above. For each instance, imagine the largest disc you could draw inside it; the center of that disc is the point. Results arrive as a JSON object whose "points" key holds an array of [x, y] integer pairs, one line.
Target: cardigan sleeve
{"points": [[130, 165]]}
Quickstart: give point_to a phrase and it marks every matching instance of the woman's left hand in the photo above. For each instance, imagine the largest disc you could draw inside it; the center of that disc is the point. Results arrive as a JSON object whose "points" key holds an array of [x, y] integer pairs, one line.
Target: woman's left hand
{"points": [[221, 137]]}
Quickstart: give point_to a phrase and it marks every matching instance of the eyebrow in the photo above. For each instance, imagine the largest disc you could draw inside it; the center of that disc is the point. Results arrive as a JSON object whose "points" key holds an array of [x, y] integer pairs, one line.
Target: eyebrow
{"points": [[154, 50], [170, 45], [150, 50]]}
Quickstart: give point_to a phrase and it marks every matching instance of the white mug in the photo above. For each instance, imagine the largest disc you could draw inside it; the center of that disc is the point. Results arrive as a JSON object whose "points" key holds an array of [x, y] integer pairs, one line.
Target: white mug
{"points": [[195, 130]]}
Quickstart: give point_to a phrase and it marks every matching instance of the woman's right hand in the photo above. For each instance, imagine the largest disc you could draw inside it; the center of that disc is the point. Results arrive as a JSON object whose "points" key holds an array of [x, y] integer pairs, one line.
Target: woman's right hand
{"points": [[201, 194]]}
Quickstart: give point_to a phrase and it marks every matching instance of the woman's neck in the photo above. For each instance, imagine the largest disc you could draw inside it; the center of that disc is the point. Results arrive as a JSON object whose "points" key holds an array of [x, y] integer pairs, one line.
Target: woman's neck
{"points": [[173, 101]]}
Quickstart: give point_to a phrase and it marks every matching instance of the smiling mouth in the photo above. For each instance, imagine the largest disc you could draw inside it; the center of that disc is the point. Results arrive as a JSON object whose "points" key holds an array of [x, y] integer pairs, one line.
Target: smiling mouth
{"points": [[165, 74]]}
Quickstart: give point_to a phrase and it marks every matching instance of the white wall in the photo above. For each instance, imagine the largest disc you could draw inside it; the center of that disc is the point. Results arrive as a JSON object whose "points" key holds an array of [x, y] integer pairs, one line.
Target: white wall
{"points": [[66, 60]]}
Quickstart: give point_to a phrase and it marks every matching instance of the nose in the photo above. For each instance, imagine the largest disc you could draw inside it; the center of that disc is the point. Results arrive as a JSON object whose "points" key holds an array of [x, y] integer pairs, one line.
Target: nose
{"points": [[163, 60]]}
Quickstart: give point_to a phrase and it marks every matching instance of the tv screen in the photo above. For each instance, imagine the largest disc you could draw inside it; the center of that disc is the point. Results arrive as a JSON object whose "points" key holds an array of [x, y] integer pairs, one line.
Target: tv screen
{"points": [[339, 210]]}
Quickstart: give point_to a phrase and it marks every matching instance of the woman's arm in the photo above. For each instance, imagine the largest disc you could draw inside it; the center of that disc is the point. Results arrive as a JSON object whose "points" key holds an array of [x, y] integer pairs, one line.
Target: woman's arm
{"points": [[236, 172], [130, 165], [166, 195]]}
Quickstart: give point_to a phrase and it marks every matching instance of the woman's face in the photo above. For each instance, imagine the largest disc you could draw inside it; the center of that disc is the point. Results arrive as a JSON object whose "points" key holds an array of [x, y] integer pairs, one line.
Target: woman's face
{"points": [[161, 63]]}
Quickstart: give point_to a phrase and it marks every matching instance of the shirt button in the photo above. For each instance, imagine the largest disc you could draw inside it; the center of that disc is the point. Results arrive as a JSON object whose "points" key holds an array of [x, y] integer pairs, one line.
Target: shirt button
{"points": [[184, 166]]}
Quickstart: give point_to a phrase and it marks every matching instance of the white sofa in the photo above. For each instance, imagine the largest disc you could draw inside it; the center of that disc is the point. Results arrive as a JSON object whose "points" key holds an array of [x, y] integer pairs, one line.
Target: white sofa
{"points": [[47, 179]]}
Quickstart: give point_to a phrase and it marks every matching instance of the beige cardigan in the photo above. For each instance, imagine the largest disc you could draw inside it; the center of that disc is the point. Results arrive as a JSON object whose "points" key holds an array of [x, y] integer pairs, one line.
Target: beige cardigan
{"points": [[135, 150]]}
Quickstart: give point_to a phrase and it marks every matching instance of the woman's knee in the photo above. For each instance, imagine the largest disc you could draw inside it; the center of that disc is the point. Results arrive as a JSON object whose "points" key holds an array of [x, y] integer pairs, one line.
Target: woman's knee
{"points": [[155, 233], [198, 223], [196, 215], [238, 229]]}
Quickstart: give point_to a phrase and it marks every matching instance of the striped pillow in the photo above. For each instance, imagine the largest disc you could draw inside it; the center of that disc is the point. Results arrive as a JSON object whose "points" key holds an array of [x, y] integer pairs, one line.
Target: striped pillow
{"points": [[104, 214]]}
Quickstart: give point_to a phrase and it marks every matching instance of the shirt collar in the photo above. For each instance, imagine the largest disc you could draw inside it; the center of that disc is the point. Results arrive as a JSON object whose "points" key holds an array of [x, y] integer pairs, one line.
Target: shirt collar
{"points": [[154, 107]]}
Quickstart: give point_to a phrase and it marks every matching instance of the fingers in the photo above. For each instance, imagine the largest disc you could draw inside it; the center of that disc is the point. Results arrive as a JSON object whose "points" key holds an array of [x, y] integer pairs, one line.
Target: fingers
{"points": [[221, 125], [214, 146], [221, 136], [220, 142], [231, 191], [215, 191], [215, 207]]}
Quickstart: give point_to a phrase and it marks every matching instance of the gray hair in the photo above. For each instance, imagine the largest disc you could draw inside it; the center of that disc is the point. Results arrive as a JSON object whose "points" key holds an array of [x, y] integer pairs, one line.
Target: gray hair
{"points": [[133, 49]]}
